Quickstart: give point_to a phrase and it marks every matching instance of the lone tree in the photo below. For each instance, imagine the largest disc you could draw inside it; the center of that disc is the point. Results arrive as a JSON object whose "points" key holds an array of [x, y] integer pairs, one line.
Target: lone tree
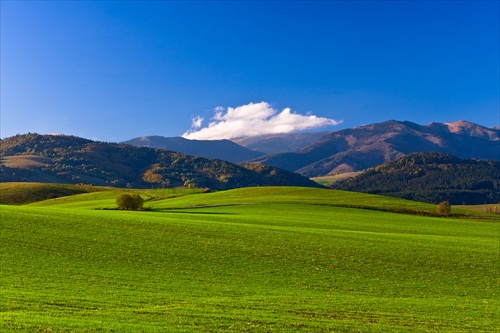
{"points": [[443, 208], [128, 201]]}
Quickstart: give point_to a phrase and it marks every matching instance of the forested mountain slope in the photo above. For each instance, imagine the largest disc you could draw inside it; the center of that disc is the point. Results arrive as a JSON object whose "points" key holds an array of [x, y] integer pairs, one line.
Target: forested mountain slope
{"points": [[69, 159], [431, 177]]}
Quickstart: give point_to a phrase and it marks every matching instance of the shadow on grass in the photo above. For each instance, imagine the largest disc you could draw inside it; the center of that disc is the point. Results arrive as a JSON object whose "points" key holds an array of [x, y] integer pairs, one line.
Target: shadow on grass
{"points": [[177, 210]]}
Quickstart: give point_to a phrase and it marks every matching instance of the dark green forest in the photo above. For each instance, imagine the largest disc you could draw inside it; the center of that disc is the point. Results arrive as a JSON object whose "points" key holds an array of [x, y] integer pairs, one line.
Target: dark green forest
{"points": [[432, 178]]}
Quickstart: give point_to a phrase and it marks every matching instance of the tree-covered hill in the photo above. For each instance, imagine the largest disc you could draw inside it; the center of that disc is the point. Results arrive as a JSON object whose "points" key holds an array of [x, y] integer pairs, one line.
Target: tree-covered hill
{"points": [[431, 177], [69, 159]]}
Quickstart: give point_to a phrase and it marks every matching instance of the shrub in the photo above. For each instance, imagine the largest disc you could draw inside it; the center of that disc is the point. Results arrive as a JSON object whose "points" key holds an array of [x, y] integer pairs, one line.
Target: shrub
{"points": [[443, 208], [128, 201]]}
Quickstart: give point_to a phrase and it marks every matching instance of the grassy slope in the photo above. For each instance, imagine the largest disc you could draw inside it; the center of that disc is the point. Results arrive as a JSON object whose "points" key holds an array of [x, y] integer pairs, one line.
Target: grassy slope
{"points": [[24, 161], [329, 180], [24, 193], [256, 260]]}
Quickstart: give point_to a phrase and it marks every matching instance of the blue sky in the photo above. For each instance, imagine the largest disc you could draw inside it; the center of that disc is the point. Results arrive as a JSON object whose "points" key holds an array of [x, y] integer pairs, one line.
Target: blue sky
{"points": [[116, 70]]}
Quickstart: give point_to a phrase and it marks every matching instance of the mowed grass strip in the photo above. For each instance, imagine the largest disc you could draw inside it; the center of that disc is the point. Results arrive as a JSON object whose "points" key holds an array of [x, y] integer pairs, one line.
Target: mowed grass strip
{"points": [[266, 266]]}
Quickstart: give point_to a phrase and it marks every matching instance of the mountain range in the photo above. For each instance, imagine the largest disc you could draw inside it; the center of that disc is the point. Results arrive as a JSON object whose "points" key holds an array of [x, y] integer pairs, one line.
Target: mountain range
{"points": [[367, 146], [73, 160], [69, 159], [354, 149]]}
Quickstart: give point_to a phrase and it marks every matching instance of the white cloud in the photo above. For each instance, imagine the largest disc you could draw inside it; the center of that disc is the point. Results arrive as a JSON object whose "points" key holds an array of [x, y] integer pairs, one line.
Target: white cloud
{"points": [[253, 119], [196, 122]]}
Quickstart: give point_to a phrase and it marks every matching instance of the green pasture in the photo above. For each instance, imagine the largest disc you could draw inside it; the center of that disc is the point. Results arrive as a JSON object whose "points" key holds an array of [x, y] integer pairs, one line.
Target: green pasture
{"points": [[248, 260]]}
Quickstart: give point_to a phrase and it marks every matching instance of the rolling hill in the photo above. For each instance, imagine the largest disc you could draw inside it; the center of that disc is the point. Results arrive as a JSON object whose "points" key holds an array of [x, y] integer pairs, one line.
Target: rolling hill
{"points": [[431, 177], [216, 149], [69, 159], [263, 259], [368, 146]]}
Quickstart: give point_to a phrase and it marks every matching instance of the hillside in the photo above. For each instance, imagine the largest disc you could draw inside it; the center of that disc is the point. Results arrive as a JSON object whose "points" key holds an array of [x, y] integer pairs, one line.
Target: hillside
{"points": [[368, 146], [431, 177], [73, 160], [218, 149]]}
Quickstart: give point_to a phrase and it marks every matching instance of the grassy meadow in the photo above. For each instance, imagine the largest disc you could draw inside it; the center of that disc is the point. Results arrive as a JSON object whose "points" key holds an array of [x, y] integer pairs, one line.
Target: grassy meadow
{"points": [[270, 259], [329, 180]]}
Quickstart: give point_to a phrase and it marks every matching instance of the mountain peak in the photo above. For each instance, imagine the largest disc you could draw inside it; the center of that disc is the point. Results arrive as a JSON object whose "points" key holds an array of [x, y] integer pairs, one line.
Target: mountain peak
{"points": [[460, 125], [468, 128]]}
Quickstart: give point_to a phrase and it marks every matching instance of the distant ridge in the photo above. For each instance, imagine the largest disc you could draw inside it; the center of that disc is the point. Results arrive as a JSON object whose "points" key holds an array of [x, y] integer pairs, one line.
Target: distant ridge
{"points": [[279, 143], [220, 149], [371, 145]]}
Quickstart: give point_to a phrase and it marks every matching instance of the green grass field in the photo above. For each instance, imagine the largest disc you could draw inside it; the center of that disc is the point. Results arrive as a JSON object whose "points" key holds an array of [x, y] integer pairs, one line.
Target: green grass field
{"points": [[248, 260]]}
